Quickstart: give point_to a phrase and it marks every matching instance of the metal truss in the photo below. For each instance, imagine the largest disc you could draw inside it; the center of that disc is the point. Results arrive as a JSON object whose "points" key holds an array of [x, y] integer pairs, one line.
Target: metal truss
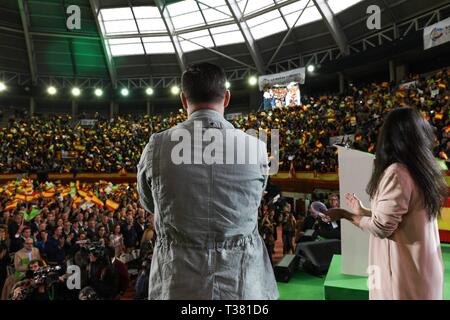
{"points": [[82, 83], [15, 78], [375, 39]]}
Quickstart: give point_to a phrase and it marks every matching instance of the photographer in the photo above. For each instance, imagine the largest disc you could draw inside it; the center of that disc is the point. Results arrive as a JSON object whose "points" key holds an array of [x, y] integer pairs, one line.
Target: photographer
{"points": [[38, 283], [29, 288]]}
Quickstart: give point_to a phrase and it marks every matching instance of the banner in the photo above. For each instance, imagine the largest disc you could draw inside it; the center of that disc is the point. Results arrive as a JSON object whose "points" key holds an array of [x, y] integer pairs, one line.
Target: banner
{"points": [[233, 116], [436, 34], [282, 79], [88, 122], [408, 85], [342, 139]]}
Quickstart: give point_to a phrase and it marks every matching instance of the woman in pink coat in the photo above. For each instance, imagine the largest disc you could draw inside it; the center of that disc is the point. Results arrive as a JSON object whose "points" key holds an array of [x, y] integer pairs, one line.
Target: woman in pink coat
{"points": [[407, 191]]}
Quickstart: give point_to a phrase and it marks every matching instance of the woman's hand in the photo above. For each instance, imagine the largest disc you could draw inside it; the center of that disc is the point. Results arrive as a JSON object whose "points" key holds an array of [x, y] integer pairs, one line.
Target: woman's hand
{"points": [[354, 204]]}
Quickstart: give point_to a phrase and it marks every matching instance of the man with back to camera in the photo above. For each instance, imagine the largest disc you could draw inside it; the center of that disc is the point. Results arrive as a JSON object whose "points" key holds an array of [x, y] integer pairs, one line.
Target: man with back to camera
{"points": [[208, 246]]}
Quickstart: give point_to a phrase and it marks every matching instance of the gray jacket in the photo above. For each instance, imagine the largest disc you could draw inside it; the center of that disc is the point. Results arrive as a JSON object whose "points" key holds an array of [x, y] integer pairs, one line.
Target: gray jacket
{"points": [[208, 245]]}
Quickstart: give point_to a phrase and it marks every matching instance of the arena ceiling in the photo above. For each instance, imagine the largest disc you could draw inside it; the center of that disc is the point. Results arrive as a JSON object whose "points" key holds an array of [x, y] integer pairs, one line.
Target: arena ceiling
{"points": [[122, 39]]}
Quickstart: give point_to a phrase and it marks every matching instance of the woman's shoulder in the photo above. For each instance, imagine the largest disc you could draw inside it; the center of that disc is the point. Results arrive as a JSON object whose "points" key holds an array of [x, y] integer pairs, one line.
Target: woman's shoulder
{"points": [[398, 171], [397, 168]]}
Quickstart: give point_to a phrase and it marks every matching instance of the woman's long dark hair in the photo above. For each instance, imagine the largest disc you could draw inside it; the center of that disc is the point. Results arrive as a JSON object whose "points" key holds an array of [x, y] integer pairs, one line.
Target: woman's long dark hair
{"points": [[407, 138]]}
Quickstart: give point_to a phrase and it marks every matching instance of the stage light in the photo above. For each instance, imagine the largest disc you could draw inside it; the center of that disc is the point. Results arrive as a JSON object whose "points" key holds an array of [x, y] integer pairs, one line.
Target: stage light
{"points": [[125, 92], [2, 87], [98, 92], [76, 92], [149, 91], [311, 68], [253, 81], [52, 90], [175, 90], [227, 85]]}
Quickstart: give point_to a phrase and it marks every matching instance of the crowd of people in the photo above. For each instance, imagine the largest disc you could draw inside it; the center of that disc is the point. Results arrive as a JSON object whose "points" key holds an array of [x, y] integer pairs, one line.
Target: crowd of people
{"points": [[296, 226], [109, 146], [99, 227]]}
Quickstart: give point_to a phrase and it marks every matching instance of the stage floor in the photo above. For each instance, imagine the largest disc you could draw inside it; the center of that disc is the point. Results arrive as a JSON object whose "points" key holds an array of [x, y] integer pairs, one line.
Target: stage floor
{"points": [[336, 286]]}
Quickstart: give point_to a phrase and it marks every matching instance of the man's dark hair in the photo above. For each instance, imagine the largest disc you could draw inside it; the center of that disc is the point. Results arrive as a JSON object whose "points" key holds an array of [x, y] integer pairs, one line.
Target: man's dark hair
{"points": [[203, 83]]}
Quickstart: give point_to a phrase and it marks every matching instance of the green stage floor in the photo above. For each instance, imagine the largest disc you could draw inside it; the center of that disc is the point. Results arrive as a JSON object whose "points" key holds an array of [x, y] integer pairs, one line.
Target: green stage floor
{"points": [[336, 286]]}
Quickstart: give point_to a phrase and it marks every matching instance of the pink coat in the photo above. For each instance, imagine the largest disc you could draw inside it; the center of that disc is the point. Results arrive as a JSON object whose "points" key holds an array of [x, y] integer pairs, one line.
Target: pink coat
{"points": [[405, 257]]}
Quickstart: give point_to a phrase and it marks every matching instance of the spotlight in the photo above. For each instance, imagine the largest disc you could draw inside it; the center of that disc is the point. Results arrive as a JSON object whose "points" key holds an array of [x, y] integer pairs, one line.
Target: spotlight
{"points": [[2, 87], [311, 68], [76, 92], [175, 90], [98, 92], [253, 81], [52, 90], [125, 92], [149, 91], [227, 85]]}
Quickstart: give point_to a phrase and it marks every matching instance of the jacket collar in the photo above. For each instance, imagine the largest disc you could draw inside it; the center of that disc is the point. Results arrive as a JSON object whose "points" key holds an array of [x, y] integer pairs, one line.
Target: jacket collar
{"points": [[211, 115], [205, 113]]}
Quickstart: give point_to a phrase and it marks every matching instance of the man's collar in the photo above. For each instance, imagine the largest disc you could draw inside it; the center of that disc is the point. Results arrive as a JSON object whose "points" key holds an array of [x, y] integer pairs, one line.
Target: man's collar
{"points": [[203, 113]]}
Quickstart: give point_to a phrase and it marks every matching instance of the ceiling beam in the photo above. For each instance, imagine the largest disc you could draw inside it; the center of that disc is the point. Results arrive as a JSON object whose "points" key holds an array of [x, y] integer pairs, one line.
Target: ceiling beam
{"points": [[171, 29], [333, 25], [249, 40], [219, 53], [288, 33], [25, 17], [108, 56]]}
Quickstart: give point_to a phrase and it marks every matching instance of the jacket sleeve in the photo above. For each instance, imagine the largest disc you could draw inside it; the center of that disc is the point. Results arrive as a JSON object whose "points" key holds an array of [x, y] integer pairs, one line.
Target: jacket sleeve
{"points": [[144, 177], [392, 202]]}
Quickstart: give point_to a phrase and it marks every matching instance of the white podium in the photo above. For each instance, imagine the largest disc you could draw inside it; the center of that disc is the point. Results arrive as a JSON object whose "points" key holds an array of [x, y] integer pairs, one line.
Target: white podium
{"points": [[355, 170]]}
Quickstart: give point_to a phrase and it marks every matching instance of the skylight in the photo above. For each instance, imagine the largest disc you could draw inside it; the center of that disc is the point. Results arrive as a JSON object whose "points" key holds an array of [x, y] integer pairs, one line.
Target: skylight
{"points": [[200, 24], [340, 5]]}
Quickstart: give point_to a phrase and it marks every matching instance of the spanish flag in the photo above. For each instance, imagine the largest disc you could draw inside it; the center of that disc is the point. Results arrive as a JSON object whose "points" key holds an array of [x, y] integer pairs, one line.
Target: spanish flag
{"points": [[31, 197], [82, 194], [20, 197], [11, 205], [111, 205], [447, 129], [76, 202], [97, 202], [47, 194]]}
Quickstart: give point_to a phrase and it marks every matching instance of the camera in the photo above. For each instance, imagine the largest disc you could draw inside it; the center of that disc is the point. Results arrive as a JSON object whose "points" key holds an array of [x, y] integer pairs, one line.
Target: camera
{"points": [[48, 275]]}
